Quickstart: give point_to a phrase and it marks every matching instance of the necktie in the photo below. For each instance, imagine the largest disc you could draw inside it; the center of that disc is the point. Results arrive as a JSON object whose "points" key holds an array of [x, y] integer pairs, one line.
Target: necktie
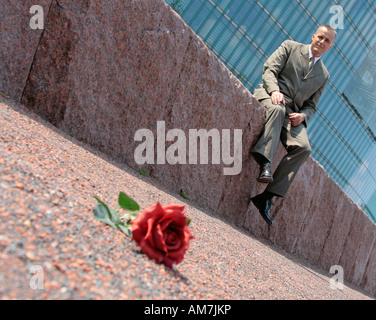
{"points": [[311, 60]]}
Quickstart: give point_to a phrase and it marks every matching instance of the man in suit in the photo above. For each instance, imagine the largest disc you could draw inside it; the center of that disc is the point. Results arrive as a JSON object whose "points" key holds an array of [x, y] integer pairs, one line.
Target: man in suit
{"points": [[294, 78]]}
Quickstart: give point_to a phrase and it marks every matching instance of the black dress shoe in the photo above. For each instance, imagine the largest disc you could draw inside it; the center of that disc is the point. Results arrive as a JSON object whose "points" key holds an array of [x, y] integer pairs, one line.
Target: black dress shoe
{"points": [[264, 206], [265, 173]]}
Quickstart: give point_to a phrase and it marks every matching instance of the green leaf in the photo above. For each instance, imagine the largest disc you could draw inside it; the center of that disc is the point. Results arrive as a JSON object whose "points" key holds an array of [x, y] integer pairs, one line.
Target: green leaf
{"points": [[101, 202], [188, 221], [102, 213], [125, 229], [115, 217], [127, 203], [183, 194], [143, 172]]}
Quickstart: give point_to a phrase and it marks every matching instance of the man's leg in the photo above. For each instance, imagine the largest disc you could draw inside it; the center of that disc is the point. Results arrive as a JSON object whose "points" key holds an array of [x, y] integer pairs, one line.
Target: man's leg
{"points": [[268, 142], [265, 148], [296, 142]]}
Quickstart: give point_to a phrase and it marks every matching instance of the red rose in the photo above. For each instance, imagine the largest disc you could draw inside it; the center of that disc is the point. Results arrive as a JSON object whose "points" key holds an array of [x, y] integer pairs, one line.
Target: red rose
{"points": [[162, 233]]}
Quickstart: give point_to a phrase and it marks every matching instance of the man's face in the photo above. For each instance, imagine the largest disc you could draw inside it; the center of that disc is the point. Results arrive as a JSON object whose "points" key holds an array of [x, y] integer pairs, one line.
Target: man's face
{"points": [[322, 41]]}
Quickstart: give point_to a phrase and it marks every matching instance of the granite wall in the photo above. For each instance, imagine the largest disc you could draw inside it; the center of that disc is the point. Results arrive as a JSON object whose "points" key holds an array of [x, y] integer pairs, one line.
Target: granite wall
{"points": [[103, 70]]}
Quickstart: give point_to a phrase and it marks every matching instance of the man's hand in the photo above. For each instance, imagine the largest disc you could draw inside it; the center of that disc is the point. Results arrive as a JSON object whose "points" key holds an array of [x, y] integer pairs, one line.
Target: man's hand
{"points": [[278, 98], [296, 119]]}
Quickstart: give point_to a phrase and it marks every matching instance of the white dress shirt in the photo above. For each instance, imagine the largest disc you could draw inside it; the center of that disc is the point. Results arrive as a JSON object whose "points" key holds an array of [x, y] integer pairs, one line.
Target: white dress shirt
{"points": [[311, 55]]}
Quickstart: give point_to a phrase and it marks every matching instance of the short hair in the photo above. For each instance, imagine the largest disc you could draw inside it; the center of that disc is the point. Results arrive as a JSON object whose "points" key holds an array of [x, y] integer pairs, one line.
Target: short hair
{"points": [[329, 28]]}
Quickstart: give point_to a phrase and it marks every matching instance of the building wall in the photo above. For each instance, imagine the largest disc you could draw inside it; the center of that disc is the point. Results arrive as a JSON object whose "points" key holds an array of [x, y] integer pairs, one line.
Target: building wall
{"points": [[244, 33]]}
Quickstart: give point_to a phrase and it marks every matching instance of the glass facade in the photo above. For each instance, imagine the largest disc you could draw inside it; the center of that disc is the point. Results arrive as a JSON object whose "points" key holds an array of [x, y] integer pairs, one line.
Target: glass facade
{"points": [[244, 33]]}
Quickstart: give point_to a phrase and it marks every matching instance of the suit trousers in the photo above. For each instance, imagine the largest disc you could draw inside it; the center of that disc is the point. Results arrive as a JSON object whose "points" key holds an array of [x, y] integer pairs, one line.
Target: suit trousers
{"points": [[295, 140]]}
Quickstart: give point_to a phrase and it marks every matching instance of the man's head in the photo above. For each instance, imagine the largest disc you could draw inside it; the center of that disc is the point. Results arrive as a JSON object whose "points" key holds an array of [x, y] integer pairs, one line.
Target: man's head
{"points": [[323, 40]]}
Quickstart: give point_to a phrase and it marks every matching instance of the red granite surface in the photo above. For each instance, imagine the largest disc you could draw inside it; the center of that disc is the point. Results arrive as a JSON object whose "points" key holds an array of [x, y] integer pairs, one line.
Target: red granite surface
{"points": [[48, 180]]}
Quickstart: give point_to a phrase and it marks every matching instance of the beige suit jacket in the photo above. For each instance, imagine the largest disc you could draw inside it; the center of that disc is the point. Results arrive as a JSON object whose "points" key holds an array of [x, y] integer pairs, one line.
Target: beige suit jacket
{"points": [[286, 71]]}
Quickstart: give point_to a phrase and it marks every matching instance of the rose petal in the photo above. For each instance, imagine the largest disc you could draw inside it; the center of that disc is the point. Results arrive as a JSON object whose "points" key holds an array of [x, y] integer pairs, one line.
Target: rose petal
{"points": [[149, 212], [174, 208], [149, 233], [159, 239], [173, 240], [142, 226], [176, 219], [184, 246], [151, 252]]}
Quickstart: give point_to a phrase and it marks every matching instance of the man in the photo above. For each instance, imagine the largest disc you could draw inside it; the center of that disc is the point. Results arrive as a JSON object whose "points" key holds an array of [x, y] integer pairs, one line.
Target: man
{"points": [[294, 78]]}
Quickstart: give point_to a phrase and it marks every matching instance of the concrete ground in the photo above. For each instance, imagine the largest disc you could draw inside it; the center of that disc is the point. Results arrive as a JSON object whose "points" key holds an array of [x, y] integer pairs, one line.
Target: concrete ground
{"points": [[52, 248]]}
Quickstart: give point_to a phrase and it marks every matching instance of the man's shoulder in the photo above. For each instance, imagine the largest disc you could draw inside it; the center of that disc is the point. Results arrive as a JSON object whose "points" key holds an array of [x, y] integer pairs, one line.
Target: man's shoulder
{"points": [[293, 44]]}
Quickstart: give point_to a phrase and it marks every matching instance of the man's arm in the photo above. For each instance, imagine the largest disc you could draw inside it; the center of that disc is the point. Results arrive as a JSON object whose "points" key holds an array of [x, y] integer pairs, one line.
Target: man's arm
{"points": [[273, 66], [309, 107]]}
